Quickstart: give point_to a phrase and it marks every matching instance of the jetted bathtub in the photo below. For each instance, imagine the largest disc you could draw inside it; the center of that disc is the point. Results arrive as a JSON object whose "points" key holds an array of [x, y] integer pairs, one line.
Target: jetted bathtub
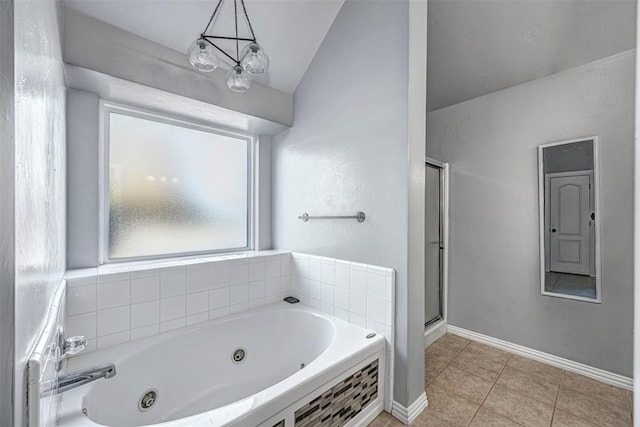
{"points": [[242, 370]]}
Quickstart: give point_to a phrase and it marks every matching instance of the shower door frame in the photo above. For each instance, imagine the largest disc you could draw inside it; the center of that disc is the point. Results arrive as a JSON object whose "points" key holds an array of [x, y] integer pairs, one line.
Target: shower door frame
{"points": [[436, 329]]}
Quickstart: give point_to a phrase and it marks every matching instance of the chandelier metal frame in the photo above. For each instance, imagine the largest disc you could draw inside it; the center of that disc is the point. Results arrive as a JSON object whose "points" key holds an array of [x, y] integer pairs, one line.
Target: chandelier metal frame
{"points": [[210, 39]]}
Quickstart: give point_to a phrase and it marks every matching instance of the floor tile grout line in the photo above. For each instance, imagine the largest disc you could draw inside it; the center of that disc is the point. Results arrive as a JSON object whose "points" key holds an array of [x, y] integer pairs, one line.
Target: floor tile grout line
{"points": [[560, 383], [500, 415], [514, 391], [460, 396], [630, 404], [467, 373], [580, 393], [452, 360], [445, 366], [490, 389], [524, 357], [555, 402], [519, 393], [531, 397], [453, 393], [579, 417], [590, 396], [554, 406], [531, 374], [548, 365], [563, 371]]}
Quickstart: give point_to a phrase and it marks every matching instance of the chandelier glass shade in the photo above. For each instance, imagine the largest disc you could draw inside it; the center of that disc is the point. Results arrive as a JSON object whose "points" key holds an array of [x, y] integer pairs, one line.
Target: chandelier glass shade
{"points": [[202, 56], [238, 79], [205, 52], [254, 59]]}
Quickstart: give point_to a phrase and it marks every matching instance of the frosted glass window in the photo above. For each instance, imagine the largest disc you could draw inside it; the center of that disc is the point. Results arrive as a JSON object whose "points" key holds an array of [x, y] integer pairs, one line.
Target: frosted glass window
{"points": [[174, 189]]}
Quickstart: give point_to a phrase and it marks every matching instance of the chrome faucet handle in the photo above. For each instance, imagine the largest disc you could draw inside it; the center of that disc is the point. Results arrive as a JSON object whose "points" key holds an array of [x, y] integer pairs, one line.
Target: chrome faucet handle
{"points": [[64, 347], [74, 345]]}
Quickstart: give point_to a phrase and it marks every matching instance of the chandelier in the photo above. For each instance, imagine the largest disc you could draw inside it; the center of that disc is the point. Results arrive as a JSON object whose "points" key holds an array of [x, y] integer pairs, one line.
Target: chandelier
{"points": [[204, 53]]}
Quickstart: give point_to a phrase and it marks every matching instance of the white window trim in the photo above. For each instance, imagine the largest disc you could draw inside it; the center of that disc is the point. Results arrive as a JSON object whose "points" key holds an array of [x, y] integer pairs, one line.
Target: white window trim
{"points": [[108, 107]]}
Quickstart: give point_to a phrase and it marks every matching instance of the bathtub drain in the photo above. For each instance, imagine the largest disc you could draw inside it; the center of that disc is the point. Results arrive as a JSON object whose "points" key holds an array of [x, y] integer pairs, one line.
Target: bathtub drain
{"points": [[239, 355], [147, 400]]}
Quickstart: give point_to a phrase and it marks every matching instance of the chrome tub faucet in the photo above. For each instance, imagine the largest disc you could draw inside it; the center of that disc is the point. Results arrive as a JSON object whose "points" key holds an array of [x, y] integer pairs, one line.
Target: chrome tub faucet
{"points": [[76, 379], [61, 349]]}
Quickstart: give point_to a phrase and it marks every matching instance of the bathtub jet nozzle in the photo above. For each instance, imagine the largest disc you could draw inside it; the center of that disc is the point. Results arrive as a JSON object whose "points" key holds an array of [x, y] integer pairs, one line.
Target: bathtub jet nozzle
{"points": [[238, 355], [147, 400]]}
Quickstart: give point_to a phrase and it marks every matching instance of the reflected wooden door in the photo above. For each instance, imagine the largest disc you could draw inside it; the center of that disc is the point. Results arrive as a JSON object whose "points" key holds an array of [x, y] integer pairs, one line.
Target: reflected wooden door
{"points": [[569, 222]]}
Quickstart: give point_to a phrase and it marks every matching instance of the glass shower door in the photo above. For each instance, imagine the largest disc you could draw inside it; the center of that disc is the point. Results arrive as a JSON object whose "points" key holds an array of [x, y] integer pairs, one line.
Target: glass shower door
{"points": [[433, 242]]}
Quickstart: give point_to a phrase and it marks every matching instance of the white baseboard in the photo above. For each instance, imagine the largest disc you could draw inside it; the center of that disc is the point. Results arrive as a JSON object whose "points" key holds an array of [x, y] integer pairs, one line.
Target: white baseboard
{"points": [[434, 332], [559, 362], [365, 417], [409, 414]]}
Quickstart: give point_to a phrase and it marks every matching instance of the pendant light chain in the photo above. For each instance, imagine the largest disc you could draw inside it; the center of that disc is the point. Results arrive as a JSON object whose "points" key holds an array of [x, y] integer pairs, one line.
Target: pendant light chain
{"points": [[204, 52], [213, 15], [235, 13], [246, 15], [220, 50]]}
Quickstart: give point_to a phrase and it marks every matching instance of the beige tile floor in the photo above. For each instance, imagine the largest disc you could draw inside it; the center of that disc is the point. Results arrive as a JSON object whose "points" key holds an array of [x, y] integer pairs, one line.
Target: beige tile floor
{"points": [[471, 384]]}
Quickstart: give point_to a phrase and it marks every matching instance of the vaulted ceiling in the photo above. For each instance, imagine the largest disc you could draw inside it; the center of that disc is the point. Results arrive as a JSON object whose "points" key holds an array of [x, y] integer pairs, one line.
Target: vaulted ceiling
{"points": [[476, 47], [290, 31]]}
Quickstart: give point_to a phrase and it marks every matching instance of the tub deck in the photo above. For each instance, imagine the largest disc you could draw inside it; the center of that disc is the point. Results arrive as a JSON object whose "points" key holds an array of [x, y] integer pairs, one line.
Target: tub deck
{"points": [[275, 338]]}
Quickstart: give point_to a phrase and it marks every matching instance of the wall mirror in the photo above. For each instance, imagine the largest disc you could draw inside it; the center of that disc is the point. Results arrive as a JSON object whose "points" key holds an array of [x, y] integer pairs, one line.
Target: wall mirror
{"points": [[569, 234]]}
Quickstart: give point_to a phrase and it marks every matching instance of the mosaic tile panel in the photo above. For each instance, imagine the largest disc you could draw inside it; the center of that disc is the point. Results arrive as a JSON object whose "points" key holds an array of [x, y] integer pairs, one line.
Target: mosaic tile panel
{"points": [[338, 405]]}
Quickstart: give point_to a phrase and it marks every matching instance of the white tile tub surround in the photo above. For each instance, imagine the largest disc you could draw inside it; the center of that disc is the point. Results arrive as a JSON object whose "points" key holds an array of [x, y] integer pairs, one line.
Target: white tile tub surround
{"points": [[114, 304], [358, 293]]}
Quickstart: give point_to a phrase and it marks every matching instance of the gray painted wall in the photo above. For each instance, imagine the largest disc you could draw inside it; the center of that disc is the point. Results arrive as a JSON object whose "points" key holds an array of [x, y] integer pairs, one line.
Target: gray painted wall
{"points": [[348, 152], [263, 228], [411, 302], [491, 143], [7, 215], [82, 179], [39, 174], [636, 223]]}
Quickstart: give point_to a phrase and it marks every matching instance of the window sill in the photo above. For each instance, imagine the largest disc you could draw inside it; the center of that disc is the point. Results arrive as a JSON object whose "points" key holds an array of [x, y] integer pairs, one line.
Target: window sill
{"points": [[132, 266]]}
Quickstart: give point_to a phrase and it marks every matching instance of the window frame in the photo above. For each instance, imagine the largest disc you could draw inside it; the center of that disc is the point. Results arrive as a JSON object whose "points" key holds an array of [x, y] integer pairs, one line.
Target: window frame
{"points": [[108, 107]]}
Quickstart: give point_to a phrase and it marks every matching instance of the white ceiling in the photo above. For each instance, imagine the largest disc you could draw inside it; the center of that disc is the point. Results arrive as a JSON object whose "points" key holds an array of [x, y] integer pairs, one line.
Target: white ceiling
{"points": [[476, 47], [290, 30]]}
